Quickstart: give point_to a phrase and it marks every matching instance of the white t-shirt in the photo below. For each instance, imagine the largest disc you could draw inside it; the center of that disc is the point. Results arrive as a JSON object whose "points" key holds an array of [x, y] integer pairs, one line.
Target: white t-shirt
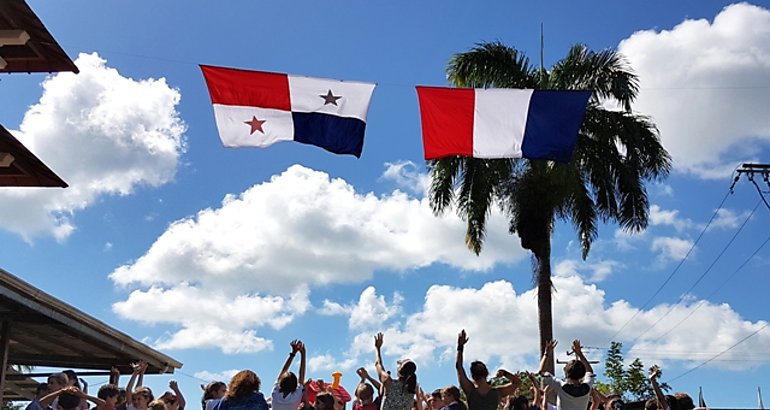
{"points": [[566, 401], [290, 402]]}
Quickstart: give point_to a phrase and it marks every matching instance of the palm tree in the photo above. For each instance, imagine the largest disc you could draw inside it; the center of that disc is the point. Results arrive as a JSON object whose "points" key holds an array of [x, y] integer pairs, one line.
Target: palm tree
{"points": [[616, 153]]}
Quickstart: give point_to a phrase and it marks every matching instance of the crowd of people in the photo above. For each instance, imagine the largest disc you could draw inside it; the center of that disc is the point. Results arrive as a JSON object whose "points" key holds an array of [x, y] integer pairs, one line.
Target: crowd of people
{"points": [[575, 391]]}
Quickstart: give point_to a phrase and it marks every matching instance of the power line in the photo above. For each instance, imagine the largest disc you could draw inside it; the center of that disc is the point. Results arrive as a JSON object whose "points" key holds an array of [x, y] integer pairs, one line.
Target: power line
{"points": [[720, 354], [676, 269], [703, 301], [713, 263]]}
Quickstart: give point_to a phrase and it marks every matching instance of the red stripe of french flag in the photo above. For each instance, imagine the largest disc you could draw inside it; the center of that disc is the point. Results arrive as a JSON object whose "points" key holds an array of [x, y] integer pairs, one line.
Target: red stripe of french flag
{"points": [[470, 122]]}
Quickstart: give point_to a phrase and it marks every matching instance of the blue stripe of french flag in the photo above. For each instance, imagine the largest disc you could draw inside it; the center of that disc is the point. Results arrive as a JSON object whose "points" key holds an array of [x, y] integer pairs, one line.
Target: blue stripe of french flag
{"points": [[258, 109], [500, 123]]}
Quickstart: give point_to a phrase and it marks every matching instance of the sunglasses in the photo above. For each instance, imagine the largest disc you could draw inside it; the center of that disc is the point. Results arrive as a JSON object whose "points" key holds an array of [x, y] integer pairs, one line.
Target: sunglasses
{"points": [[617, 404]]}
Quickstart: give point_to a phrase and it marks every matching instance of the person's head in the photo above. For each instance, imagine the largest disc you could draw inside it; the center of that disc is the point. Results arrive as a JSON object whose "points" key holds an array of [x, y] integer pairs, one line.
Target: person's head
{"points": [[141, 397], [109, 393], [574, 370], [450, 394], [615, 402], [242, 384], [517, 403], [407, 373], [324, 401], [72, 378], [479, 370], [170, 401], [365, 393], [684, 400], [41, 390], [287, 383], [57, 381], [68, 401], [214, 390], [156, 405], [121, 396], [435, 401]]}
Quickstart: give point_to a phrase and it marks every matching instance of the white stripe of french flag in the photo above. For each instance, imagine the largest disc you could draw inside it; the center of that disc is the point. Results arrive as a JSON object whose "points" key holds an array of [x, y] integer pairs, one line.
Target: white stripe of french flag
{"points": [[500, 123]]}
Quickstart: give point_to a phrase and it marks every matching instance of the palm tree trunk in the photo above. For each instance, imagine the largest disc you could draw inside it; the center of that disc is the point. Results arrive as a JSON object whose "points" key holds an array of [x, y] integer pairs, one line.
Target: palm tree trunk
{"points": [[545, 316]]}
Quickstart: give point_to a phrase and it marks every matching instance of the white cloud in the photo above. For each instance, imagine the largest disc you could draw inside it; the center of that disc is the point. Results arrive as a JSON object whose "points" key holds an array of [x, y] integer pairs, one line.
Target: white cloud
{"points": [[104, 134], [598, 271], [728, 219], [212, 318], [223, 376], [502, 325], [704, 84], [659, 216], [372, 310], [671, 248], [301, 227], [625, 240], [406, 175]]}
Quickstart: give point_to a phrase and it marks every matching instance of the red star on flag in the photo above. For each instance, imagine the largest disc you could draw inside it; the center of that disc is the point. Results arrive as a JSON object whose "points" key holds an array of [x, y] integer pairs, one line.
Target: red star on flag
{"points": [[256, 125]]}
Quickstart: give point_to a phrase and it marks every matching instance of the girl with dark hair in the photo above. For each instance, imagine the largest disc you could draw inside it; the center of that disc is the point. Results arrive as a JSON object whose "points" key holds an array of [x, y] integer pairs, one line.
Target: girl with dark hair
{"points": [[396, 394], [480, 394], [288, 390], [243, 393]]}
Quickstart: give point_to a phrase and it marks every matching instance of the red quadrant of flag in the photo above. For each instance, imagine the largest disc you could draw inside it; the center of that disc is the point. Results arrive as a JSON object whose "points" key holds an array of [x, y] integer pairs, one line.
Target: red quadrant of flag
{"points": [[231, 86]]}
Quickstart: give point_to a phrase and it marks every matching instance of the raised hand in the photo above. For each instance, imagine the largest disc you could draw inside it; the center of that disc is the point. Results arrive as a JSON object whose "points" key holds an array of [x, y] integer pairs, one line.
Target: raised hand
{"points": [[551, 345], [378, 339], [576, 346], [654, 372], [295, 344], [462, 339], [362, 373]]}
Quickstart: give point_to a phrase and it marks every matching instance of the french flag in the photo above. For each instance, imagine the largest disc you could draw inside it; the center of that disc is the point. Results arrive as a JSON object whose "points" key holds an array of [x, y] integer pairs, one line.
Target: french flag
{"points": [[500, 123], [258, 109]]}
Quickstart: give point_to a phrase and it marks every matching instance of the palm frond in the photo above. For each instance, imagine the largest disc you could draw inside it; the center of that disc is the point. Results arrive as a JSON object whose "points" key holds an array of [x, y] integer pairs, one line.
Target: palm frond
{"points": [[442, 187], [491, 65], [606, 72]]}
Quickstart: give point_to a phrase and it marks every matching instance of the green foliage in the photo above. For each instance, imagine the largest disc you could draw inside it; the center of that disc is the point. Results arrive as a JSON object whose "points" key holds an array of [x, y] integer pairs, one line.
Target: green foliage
{"points": [[636, 381], [613, 369], [631, 383]]}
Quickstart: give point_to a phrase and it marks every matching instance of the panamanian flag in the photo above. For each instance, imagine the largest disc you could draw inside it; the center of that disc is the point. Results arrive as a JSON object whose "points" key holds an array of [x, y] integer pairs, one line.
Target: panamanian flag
{"points": [[258, 109], [500, 122]]}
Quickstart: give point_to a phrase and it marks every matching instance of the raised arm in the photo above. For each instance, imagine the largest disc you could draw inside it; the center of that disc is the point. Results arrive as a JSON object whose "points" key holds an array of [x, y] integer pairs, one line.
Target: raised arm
{"points": [[597, 399], [513, 383], [383, 375], [548, 352], [579, 353], [178, 393], [114, 375], [77, 392], [420, 396], [138, 368], [294, 349], [462, 378], [301, 362], [544, 403], [659, 396], [364, 375]]}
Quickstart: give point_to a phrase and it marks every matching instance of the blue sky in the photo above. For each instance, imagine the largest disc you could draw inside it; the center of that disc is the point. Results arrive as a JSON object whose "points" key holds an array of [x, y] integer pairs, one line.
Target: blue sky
{"points": [[219, 257]]}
